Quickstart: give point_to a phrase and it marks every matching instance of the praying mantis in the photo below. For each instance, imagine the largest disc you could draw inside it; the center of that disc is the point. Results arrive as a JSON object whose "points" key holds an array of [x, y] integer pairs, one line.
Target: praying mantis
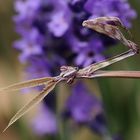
{"points": [[106, 25], [110, 27]]}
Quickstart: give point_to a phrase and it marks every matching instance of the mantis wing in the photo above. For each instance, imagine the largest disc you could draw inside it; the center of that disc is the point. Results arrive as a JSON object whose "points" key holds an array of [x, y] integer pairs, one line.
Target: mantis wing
{"points": [[27, 84], [32, 103]]}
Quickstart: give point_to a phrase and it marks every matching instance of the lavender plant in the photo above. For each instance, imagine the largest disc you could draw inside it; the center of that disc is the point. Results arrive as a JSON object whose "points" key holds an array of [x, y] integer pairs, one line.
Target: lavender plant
{"points": [[52, 35]]}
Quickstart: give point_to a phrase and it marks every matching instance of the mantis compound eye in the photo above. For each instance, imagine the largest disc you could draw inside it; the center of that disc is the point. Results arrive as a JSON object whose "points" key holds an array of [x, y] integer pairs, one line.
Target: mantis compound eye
{"points": [[76, 68]]}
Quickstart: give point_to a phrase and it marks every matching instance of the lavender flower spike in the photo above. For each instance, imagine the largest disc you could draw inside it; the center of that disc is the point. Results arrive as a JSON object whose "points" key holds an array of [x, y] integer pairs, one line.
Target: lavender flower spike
{"points": [[44, 122]]}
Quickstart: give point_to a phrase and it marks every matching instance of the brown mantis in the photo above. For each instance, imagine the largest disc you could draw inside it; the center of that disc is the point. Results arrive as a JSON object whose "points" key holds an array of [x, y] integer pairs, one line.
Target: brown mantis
{"points": [[110, 27], [106, 25]]}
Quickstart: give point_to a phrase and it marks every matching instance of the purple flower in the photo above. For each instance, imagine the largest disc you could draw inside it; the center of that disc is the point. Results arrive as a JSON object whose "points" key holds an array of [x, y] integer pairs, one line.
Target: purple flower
{"points": [[119, 8], [58, 24], [88, 52], [44, 122], [98, 124], [85, 108], [29, 45], [60, 19], [82, 105], [42, 70], [52, 35], [26, 9]]}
